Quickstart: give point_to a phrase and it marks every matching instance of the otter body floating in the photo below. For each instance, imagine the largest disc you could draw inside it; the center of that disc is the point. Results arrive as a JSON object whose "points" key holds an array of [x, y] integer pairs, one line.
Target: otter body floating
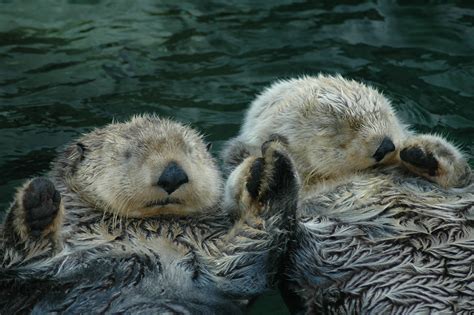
{"points": [[133, 219], [371, 236]]}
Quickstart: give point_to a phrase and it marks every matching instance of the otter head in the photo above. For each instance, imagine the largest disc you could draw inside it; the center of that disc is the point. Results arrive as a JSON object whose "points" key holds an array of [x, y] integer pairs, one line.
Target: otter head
{"points": [[340, 126], [144, 167]]}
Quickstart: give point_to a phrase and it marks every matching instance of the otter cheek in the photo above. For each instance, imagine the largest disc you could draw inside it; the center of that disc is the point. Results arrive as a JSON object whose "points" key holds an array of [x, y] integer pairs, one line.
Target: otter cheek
{"points": [[208, 187], [214, 187], [141, 186]]}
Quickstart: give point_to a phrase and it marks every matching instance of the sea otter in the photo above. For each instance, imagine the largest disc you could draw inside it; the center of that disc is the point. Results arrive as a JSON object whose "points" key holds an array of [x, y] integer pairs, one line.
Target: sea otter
{"points": [[371, 236], [336, 127], [133, 219]]}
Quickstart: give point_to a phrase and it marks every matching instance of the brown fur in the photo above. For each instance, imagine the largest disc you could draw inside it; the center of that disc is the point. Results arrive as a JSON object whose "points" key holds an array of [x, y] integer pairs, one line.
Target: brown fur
{"points": [[334, 127], [369, 238], [211, 258]]}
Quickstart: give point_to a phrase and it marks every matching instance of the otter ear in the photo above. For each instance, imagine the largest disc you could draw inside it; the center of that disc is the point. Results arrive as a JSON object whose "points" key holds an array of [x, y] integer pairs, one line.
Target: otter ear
{"points": [[75, 152], [69, 160], [73, 156], [80, 150]]}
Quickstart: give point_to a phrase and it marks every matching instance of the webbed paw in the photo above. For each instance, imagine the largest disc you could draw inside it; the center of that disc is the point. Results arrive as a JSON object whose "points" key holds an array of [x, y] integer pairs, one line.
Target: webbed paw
{"points": [[41, 204], [273, 171], [272, 177], [437, 160], [260, 181]]}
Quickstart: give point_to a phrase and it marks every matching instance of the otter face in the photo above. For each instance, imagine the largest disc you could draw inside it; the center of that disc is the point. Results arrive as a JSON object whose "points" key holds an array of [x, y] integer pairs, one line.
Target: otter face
{"points": [[337, 126], [347, 144], [145, 167]]}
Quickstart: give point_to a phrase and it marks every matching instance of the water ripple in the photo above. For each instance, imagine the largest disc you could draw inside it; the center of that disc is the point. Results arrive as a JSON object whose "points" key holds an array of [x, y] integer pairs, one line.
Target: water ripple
{"points": [[68, 66]]}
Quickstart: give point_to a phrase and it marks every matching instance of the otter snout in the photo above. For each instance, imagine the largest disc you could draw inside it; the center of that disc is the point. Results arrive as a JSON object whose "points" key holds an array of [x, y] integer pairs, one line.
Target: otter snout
{"points": [[385, 147], [172, 178]]}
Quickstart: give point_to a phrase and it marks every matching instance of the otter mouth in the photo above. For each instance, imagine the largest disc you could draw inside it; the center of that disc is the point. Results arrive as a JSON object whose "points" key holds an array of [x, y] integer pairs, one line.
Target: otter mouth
{"points": [[163, 202]]}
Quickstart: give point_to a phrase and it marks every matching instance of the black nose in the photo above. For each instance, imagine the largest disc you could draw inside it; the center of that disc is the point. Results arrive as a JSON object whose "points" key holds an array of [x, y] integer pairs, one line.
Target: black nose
{"points": [[385, 147], [172, 178]]}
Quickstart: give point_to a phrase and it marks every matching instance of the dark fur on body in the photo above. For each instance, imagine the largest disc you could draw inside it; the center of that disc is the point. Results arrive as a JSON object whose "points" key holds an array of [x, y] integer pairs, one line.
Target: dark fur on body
{"points": [[205, 263], [384, 243], [380, 242], [370, 238]]}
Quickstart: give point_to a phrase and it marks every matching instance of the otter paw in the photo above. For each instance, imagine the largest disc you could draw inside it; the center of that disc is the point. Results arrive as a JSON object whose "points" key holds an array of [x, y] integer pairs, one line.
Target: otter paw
{"points": [[272, 176], [437, 160], [259, 183], [41, 203], [417, 158], [255, 177]]}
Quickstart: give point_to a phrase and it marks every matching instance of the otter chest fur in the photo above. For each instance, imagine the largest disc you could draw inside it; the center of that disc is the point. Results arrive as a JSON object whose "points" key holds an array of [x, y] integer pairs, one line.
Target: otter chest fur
{"points": [[371, 236], [383, 243], [134, 219]]}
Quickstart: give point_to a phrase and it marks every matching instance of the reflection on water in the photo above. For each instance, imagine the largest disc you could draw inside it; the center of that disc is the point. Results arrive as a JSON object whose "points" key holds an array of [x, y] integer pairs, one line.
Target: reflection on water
{"points": [[68, 66]]}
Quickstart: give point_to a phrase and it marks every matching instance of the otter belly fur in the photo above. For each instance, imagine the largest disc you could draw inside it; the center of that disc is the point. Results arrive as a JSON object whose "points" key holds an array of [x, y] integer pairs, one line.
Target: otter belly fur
{"points": [[371, 236], [383, 242], [133, 219]]}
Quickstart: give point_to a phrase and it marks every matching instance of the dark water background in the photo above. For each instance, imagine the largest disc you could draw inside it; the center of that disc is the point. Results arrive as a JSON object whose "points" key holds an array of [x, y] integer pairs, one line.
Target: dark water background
{"points": [[68, 66]]}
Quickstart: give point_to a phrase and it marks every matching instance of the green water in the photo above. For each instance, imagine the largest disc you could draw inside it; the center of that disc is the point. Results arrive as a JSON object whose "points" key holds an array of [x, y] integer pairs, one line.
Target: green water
{"points": [[68, 66]]}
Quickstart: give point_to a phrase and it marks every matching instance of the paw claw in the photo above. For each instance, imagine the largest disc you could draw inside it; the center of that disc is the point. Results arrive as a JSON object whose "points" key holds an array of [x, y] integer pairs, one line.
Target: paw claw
{"points": [[274, 138], [279, 138]]}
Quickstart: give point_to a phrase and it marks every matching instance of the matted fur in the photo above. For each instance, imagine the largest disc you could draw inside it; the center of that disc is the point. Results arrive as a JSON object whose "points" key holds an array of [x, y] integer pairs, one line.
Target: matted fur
{"points": [[334, 126], [384, 243], [367, 241], [203, 261]]}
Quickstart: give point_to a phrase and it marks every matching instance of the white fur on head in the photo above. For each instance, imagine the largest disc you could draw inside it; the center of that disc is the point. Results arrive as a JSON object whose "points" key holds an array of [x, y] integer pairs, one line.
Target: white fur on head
{"points": [[334, 126], [122, 163]]}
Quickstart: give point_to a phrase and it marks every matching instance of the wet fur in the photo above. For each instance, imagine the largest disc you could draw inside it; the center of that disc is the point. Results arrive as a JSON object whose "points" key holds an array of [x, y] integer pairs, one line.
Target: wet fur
{"points": [[370, 238], [334, 126], [201, 262], [383, 242]]}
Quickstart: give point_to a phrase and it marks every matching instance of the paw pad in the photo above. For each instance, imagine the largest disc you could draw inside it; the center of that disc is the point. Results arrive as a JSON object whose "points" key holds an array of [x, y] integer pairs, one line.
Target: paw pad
{"points": [[272, 175], [41, 202], [255, 178], [421, 160]]}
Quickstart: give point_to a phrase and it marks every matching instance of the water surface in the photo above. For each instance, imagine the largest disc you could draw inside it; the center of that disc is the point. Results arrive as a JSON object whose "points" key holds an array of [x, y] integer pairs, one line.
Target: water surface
{"points": [[69, 66]]}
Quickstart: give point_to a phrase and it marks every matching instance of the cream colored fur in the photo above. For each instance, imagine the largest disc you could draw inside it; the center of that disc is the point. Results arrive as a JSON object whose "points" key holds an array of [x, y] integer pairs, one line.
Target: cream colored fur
{"points": [[118, 255], [371, 237], [334, 126], [126, 160]]}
